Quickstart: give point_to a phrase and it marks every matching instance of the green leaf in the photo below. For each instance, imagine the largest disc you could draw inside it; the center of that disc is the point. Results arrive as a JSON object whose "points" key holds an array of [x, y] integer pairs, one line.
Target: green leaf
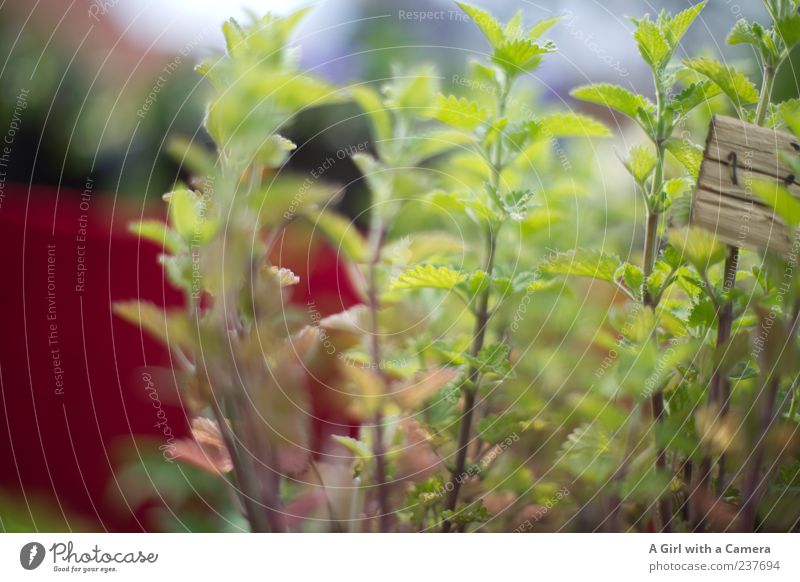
{"points": [[160, 233], [519, 55], [191, 155], [540, 285], [589, 452], [474, 208], [538, 29], [290, 195], [615, 97], [633, 277], [274, 151], [703, 314], [743, 33], [412, 92], [359, 449], [694, 95], [187, 215], [688, 154], [569, 124], [467, 514], [499, 428], [674, 27], [436, 142], [493, 359], [478, 282], [738, 88], [641, 162], [460, 113], [583, 263], [700, 247], [341, 232], [789, 29], [370, 102], [486, 22], [513, 27], [171, 327], [379, 179], [428, 276], [778, 197], [787, 113], [234, 35], [675, 187], [653, 47]]}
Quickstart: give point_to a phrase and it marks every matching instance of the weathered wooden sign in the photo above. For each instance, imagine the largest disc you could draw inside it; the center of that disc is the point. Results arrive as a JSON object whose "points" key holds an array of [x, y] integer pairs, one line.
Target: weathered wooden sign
{"points": [[737, 154]]}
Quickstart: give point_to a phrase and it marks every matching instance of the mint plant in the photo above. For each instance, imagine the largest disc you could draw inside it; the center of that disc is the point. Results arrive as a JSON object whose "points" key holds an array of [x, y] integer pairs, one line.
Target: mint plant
{"points": [[468, 419]]}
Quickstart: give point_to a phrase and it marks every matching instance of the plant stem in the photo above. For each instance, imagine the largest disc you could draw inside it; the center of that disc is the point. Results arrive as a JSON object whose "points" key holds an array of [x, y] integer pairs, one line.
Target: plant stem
{"points": [[376, 239], [766, 91], [470, 387], [720, 385], [752, 483], [651, 240], [255, 516]]}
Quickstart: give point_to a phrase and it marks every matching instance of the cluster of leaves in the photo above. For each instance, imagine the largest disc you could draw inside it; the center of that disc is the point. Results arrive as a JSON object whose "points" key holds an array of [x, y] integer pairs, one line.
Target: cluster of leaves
{"points": [[689, 345]]}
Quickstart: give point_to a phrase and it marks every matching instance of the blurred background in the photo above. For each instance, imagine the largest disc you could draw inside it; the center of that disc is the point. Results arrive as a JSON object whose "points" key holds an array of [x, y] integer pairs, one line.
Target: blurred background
{"points": [[92, 92]]}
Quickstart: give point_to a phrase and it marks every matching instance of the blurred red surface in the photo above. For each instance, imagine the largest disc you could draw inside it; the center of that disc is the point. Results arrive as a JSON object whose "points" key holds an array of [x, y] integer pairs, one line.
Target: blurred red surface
{"points": [[71, 386]]}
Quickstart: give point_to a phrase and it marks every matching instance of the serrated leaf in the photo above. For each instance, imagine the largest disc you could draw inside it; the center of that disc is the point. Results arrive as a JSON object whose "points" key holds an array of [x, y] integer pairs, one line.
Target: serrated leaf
{"points": [[569, 124], [341, 232], [478, 282], [357, 448], [633, 277], [486, 22], [513, 27], [412, 92], [688, 154], [653, 47], [694, 95], [412, 393], [538, 29], [787, 113], [778, 197], [583, 263], [370, 102], [428, 276], [674, 27], [541, 285], [674, 187], [702, 314], [641, 162], [492, 359], [191, 155], [474, 208], [700, 247], [187, 215], [736, 86], [274, 151], [499, 428], [615, 97], [433, 143], [742, 33], [460, 113], [789, 29], [379, 178], [520, 54], [290, 195], [171, 327]]}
